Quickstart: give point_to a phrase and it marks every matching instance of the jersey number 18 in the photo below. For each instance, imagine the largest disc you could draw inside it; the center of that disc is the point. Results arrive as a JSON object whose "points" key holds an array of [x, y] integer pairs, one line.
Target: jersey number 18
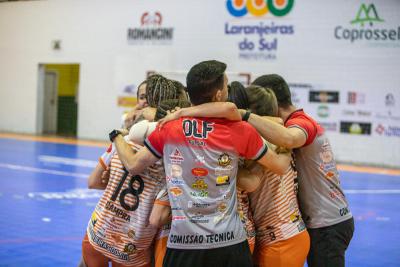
{"points": [[129, 190]]}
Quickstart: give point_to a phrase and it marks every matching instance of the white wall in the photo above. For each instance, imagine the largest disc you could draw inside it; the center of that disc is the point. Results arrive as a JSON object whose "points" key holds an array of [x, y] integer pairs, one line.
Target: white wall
{"points": [[94, 34]]}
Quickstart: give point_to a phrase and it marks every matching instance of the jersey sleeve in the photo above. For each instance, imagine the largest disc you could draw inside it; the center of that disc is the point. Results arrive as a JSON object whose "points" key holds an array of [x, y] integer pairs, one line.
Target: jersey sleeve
{"points": [[162, 197], [304, 124], [155, 141], [140, 131], [105, 159], [248, 142]]}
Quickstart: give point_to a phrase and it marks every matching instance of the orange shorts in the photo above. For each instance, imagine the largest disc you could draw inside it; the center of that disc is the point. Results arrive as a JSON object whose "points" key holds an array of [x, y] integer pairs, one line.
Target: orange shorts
{"points": [[160, 247], [94, 258], [290, 252], [251, 246]]}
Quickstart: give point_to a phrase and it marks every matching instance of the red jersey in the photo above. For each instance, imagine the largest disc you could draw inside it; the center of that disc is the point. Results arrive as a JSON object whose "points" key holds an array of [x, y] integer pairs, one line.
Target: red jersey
{"points": [[201, 159]]}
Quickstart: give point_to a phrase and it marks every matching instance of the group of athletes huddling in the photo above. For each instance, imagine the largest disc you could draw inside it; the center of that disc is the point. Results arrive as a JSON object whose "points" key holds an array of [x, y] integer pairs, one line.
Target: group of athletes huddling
{"points": [[216, 174]]}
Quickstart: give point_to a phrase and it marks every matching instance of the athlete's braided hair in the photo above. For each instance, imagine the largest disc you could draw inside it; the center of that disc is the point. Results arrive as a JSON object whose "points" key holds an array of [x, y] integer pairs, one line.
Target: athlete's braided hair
{"points": [[181, 90], [159, 88]]}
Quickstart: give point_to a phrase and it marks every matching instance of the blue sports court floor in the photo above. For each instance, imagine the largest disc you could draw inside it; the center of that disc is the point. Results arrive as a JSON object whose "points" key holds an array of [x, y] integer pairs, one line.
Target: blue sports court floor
{"points": [[45, 206]]}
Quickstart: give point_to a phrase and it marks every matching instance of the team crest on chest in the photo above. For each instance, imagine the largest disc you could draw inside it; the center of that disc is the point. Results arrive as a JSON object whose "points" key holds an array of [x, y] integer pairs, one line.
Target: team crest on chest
{"points": [[224, 160]]}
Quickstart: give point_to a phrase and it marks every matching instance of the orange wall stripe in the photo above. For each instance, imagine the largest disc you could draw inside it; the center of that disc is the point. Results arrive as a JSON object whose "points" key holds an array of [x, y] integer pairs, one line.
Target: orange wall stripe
{"points": [[53, 139], [365, 169]]}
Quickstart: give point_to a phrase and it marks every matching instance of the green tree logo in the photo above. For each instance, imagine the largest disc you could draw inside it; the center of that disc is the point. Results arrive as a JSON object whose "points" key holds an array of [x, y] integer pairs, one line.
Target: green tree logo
{"points": [[367, 14]]}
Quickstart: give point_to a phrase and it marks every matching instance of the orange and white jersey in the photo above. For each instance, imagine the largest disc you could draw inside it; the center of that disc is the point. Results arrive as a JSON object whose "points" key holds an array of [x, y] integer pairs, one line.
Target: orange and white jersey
{"points": [[275, 207], [246, 216], [163, 199], [119, 226], [161, 239]]}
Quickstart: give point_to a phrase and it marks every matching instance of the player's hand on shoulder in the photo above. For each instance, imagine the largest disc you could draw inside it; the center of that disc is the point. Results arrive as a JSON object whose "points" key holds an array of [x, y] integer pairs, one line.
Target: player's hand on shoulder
{"points": [[173, 114]]}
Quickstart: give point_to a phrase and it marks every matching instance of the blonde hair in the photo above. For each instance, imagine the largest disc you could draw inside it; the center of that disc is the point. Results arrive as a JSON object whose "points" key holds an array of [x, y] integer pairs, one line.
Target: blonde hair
{"points": [[262, 101]]}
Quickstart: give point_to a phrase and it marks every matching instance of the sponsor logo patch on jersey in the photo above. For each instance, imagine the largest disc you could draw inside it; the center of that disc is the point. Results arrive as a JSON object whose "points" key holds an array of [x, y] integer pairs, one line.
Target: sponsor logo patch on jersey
{"points": [[344, 211], [179, 218], [175, 191], [192, 204], [199, 185], [223, 171], [222, 180], [222, 207], [224, 160], [200, 160], [94, 218], [198, 218], [200, 194], [227, 195], [131, 233], [176, 156], [294, 217], [199, 172], [175, 171], [130, 248], [177, 182], [197, 143]]}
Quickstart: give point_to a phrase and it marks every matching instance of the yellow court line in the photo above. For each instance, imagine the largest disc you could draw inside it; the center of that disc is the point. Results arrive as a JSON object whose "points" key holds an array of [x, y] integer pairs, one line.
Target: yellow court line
{"points": [[61, 140], [53, 139]]}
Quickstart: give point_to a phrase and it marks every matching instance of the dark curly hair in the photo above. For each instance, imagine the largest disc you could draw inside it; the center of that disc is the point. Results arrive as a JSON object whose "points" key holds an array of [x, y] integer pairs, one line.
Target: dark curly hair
{"points": [[237, 95], [278, 85], [204, 79]]}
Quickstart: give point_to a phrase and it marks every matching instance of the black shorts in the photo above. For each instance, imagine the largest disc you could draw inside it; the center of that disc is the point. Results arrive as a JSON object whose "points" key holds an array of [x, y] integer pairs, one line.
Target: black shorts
{"points": [[329, 244], [232, 256]]}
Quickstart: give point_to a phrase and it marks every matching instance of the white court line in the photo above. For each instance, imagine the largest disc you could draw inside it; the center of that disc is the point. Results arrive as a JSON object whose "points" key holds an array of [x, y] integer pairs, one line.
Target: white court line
{"points": [[85, 176], [372, 191], [39, 170], [68, 161]]}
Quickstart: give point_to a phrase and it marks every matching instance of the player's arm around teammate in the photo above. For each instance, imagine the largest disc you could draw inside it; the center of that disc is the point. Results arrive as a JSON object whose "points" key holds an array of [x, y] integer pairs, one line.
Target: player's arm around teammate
{"points": [[277, 133], [270, 129], [277, 163]]}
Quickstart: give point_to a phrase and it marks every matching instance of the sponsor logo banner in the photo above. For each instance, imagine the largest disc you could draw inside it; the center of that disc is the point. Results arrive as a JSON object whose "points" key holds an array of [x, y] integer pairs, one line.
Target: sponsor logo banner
{"points": [[362, 28], [354, 98], [299, 93], [324, 96], [390, 100], [323, 111], [329, 126], [151, 30], [351, 127], [390, 112], [359, 113], [258, 39], [390, 131]]}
